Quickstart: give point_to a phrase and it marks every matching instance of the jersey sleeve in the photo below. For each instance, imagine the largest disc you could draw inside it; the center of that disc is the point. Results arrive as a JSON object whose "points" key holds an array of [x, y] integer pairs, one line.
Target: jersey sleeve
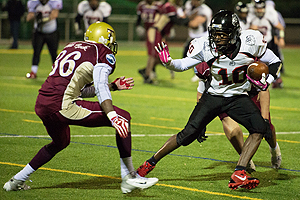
{"points": [[255, 43], [31, 5], [81, 8], [105, 8], [56, 4]]}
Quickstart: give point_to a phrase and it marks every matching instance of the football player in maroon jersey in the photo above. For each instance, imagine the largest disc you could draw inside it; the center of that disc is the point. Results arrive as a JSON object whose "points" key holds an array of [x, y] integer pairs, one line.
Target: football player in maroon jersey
{"points": [[59, 103]]}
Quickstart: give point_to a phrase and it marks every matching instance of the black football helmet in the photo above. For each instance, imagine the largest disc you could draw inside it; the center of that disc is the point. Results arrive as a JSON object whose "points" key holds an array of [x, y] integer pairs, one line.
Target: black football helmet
{"points": [[224, 31]]}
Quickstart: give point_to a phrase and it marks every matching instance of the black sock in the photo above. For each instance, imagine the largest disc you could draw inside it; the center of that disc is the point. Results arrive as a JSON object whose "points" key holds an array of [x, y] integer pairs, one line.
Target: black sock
{"points": [[238, 167], [152, 161]]}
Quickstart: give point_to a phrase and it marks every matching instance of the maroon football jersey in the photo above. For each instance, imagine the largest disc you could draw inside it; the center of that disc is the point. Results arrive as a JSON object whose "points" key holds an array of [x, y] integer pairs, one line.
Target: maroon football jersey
{"points": [[71, 71], [148, 12]]}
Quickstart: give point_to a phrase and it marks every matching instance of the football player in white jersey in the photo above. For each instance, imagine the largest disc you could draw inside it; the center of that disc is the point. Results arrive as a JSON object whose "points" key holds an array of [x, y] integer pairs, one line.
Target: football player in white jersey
{"points": [[91, 11], [44, 13], [228, 52]]}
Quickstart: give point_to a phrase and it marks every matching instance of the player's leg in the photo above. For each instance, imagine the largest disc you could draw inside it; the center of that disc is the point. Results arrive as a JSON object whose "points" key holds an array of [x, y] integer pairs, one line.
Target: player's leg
{"points": [[60, 134], [37, 44], [274, 147], [97, 118], [244, 111], [52, 41], [203, 113]]}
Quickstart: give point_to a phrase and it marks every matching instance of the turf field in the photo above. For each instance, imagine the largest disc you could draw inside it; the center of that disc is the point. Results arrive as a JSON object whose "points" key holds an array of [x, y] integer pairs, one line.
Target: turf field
{"points": [[89, 167]]}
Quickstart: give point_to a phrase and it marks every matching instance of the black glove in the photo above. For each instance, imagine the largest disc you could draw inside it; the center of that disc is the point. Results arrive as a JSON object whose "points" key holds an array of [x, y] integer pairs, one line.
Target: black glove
{"points": [[39, 18], [268, 134], [202, 137]]}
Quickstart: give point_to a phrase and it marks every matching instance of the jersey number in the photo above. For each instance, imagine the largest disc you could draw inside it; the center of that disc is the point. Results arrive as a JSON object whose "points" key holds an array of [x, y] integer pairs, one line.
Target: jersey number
{"points": [[238, 75], [64, 63]]}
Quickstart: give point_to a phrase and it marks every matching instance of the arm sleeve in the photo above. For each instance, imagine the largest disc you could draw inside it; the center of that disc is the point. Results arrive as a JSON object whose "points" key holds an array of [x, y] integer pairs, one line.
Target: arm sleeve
{"points": [[273, 62], [183, 64], [100, 76]]}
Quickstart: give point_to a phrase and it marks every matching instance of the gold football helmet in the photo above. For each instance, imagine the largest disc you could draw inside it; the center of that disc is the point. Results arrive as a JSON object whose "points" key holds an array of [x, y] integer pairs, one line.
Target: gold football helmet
{"points": [[101, 32]]}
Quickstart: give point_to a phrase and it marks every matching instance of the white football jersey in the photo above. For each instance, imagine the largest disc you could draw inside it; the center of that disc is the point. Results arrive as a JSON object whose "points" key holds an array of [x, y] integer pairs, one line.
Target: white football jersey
{"points": [[266, 23], [203, 10], [36, 7], [229, 76], [91, 16]]}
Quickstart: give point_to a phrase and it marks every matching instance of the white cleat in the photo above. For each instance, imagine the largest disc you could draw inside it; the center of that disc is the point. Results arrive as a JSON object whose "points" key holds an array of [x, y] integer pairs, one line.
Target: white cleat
{"points": [[129, 183], [15, 185], [276, 157]]}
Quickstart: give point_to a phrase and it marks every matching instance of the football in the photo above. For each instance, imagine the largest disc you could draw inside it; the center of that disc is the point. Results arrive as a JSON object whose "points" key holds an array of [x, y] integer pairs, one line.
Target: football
{"points": [[256, 69]]}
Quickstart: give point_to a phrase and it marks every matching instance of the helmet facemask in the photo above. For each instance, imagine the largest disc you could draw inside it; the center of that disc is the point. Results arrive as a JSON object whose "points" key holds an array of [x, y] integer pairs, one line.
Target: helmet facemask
{"points": [[224, 31]]}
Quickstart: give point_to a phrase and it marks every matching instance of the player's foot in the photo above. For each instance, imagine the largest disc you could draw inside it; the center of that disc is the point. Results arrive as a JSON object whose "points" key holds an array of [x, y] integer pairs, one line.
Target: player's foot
{"points": [[147, 79], [251, 167], [275, 157], [145, 168], [277, 83], [15, 185], [239, 179], [31, 75], [130, 183]]}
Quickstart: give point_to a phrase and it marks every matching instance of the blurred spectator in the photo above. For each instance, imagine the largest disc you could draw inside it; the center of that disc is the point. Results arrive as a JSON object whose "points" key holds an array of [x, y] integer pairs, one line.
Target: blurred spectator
{"points": [[265, 20], [44, 13], [91, 11], [15, 9]]}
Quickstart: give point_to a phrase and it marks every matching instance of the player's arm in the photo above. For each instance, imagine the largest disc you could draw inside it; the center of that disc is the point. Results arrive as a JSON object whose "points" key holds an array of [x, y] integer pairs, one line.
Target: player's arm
{"points": [[194, 23], [77, 27], [274, 64], [30, 16], [100, 75], [177, 65]]}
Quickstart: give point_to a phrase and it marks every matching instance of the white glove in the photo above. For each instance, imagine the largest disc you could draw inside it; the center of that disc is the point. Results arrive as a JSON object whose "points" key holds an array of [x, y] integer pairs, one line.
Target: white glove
{"points": [[120, 124], [140, 31]]}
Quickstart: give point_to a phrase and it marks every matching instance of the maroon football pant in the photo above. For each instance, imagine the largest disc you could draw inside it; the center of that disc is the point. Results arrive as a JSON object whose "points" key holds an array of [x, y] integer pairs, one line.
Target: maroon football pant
{"points": [[58, 129]]}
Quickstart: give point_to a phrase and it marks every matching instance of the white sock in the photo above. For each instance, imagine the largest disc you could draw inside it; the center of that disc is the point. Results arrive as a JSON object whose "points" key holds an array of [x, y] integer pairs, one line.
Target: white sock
{"points": [[24, 174], [274, 147], [126, 166], [34, 68]]}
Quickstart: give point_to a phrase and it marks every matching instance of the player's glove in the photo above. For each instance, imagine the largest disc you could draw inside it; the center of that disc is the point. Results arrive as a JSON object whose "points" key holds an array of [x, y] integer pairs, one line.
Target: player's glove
{"points": [[140, 31], [119, 123], [123, 83], [163, 53], [202, 70], [261, 84], [268, 135], [39, 18], [202, 137]]}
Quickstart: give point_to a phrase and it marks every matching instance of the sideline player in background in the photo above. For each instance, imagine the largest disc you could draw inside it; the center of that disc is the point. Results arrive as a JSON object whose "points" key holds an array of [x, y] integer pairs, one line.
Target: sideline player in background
{"points": [[266, 20], [90, 12], [159, 31], [44, 13], [148, 12], [228, 51], [59, 104]]}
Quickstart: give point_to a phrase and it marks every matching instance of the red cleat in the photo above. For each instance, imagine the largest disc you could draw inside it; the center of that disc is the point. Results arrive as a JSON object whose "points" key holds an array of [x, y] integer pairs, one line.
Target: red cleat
{"points": [[239, 179], [145, 168]]}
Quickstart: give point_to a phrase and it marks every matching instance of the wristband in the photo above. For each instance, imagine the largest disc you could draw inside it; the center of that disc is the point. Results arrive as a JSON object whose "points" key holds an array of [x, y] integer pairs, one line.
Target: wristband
{"points": [[112, 114], [281, 33], [114, 86]]}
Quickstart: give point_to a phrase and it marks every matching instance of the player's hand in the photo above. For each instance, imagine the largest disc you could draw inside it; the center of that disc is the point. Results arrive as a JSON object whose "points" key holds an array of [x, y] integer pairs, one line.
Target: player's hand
{"points": [[261, 84], [123, 83], [163, 53], [140, 31], [202, 70], [119, 123], [39, 18], [202, 137]]}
